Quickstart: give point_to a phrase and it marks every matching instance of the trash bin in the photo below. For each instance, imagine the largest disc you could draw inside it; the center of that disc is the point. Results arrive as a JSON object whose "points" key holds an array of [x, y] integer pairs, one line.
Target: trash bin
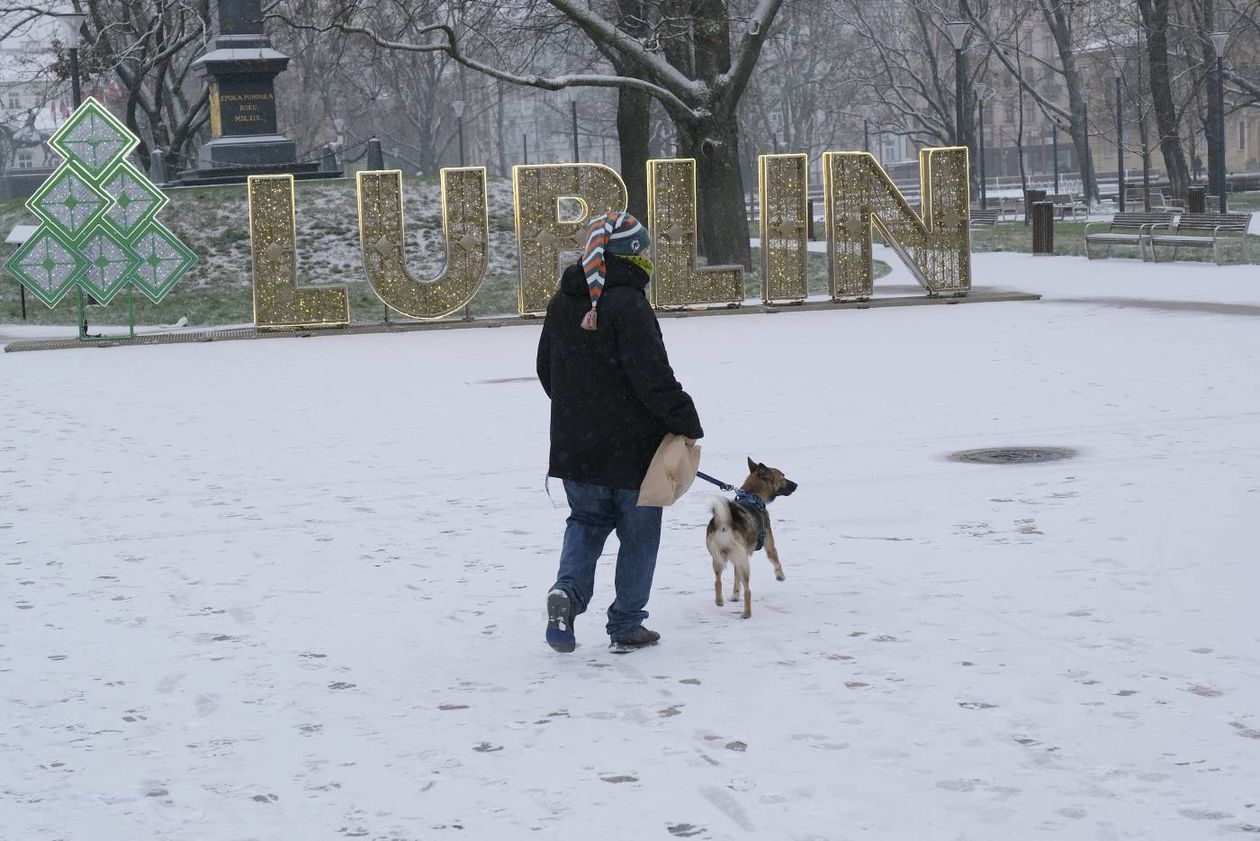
{"points": [[1196, 201], [1031, 197], [1043, 227]]}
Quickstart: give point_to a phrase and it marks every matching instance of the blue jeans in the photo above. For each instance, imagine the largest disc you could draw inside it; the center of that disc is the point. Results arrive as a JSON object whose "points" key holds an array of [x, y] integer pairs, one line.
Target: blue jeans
{"points": [[595, 511]]}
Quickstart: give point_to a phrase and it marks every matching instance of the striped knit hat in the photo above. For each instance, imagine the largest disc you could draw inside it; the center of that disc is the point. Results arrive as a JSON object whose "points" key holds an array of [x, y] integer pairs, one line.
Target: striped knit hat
{"points": [[616, 232]]}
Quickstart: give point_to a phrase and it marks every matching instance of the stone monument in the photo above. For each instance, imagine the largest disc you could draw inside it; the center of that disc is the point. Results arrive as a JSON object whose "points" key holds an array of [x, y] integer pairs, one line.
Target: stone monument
{"points": [[240, 71]]}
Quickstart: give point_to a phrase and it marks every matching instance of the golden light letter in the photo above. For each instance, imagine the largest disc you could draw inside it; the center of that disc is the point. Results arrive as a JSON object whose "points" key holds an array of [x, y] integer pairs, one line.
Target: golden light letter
{"points": [[278, 300], [383, 237], [859, 196], [783, 183], [542, 236], [672, 220]]}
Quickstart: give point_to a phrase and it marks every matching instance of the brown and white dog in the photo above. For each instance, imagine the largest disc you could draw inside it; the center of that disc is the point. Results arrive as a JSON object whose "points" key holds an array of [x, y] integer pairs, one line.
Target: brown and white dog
{"points": [[733, 532]]}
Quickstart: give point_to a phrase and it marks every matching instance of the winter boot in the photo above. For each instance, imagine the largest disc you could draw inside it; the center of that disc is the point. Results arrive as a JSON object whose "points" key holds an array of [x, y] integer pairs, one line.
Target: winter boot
{"points": [[637, 637]]}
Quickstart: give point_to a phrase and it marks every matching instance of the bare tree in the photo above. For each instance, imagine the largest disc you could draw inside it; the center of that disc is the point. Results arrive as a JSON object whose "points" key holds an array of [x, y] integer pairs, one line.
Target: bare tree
{"points": [[1244, 77], [695, 57], [1154, 16], [150, 45], [37, 84], [1068, 22], [801, 99], [909, 70]]}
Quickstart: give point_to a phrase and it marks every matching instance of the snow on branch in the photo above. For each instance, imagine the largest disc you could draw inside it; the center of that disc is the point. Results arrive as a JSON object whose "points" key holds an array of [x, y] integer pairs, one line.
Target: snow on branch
{"points": [[759, 24], [449, 44], [634, 51]]}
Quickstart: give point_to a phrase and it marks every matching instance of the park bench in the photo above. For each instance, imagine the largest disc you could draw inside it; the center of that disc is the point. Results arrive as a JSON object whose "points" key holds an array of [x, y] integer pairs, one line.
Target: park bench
{"points": [[1009, 208], [984, 218], [1125, 229], [1200, 230], [1065, 204], [1134, 199]]}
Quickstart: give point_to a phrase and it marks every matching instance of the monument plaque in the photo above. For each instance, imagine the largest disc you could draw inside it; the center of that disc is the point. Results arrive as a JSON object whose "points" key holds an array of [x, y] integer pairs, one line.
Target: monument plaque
{"points": [[242, 107]]}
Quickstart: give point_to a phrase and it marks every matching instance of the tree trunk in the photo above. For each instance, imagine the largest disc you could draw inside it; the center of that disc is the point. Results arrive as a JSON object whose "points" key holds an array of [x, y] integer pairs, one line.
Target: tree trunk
{"points": [[1056, 17], [1155, 21], [633, 129], [714, 143], [500, 118], [634, 114], [969, 135], [1079, 129], [1207, 55], [721, 223]]}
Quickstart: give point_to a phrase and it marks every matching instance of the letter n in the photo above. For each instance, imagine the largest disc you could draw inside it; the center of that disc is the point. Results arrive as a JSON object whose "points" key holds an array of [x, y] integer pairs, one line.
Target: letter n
{"points": [[935, 246]]}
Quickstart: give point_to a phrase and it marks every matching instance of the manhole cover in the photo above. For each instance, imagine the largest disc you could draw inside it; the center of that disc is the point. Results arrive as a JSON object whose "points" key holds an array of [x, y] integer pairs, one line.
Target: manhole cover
{"points": [[1014, 455]]}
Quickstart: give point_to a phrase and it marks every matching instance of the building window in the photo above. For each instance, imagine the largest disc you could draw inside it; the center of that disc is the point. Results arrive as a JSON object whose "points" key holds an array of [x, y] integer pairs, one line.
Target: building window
{"points": [[15, 101], [25, 159], [1242, 136]]}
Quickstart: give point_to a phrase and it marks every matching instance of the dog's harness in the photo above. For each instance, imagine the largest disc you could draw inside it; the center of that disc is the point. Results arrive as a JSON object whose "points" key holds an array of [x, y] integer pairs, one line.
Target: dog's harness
{"points": [[756, 503]]}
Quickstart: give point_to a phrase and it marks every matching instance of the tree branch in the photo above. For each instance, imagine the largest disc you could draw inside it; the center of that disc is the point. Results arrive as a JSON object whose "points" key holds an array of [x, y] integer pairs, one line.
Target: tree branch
{"points": [[451, 48]]}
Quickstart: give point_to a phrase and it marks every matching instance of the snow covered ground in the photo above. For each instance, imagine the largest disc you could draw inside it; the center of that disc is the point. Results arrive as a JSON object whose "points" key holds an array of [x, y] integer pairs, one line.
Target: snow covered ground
{"points": [[294, 589]]}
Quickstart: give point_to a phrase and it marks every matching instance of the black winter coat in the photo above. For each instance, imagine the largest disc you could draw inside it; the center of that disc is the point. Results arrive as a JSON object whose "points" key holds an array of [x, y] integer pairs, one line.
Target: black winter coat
{"points": [[613, 394]]}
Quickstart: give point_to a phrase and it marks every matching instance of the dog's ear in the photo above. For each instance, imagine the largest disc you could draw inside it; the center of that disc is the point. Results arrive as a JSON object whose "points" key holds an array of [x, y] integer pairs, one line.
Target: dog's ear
{"points": [[762, 468], [752, 465]]}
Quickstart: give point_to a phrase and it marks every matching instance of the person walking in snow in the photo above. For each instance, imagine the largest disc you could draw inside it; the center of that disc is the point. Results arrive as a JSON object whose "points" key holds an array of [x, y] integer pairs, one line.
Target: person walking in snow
{"points": [[602, 362]]}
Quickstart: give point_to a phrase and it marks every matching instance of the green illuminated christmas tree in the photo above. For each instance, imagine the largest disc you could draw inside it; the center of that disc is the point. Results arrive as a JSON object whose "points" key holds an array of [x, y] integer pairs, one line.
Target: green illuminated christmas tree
{"points": [[98, 214]]}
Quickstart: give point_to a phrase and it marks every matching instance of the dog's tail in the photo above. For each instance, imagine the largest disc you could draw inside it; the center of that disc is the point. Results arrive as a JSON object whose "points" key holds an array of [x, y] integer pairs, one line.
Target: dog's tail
{"points": [[721, 514]]}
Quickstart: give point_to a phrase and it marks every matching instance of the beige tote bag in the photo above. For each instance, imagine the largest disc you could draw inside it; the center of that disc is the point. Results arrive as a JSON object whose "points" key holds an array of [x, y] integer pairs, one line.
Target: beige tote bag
{"points": [[671, 473]]}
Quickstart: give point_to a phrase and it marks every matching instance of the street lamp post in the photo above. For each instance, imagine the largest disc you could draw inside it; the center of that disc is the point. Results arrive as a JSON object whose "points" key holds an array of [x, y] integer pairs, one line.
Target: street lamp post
{"points": [[71, 26], [957, 31], [866, 134], [1054, 147], [1218, 41], [458, 107], [577, 156], [982, 91], [1119, 138]]}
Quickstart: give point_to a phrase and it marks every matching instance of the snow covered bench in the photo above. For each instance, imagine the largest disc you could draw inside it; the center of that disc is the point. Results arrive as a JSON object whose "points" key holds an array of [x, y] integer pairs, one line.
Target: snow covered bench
{"points": [[985, 218], [1200, 230], [1135, 198], [1009, 208], [1065, 203], [1125, 229]]}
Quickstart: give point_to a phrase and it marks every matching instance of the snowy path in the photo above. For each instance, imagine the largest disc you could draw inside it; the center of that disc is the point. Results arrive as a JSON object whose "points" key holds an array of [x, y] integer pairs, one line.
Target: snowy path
{"points": [[293, 589]]}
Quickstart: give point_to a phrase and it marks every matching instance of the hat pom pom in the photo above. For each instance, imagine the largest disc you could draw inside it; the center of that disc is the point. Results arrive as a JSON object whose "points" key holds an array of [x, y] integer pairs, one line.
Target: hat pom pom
{"points": [[589, 321]]}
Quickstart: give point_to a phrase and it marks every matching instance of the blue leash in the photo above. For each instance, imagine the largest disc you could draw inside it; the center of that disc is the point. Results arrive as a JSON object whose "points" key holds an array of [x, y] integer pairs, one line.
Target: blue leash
{"points": [[750, 499], [706, 477]]}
